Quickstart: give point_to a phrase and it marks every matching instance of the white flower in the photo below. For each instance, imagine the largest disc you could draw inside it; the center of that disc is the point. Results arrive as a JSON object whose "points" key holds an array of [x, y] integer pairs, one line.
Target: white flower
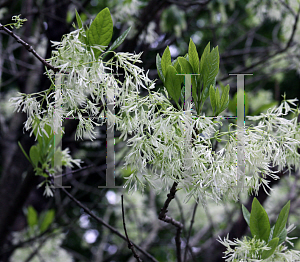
{"points": [[48, 192]]}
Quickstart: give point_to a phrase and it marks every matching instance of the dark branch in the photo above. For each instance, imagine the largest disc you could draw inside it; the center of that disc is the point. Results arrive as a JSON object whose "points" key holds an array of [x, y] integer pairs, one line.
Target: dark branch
{"points": [[190, 230], [101, 221], [29, 48], [162, 216], [130, 246]]}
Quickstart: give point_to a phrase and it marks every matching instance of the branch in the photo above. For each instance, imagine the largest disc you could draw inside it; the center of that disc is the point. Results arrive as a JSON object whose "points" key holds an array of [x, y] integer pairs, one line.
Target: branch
{"points": [[29, 48], [162, 216], [112, 229], [190, 230], [130, 246]]}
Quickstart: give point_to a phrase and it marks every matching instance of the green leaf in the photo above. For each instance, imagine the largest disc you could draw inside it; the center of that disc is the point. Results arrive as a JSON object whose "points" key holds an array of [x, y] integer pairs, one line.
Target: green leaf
{"points": [[204, 56], [193, 56], [101, 30], [224, 99], [282, 219], [24, 152], [119, 40], [187, 57], [186, 67], [173, 83], [78, 19], [31, 216], [159, 69], [282, 236], [212, 98], [272, 244], [34, 155], [210, 68], [165, 61], [246, 214], [259, 221], [47, 220], [176, 65]]}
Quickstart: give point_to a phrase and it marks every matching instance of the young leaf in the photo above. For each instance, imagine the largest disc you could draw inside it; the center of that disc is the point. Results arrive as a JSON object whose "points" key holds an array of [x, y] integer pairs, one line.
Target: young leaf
{"points": [[224, 98], [246, 214], [210, 68], [272, 244], [259, 221], [31, 216], [173, 83], [78, 19], [282, 219], [24, 152], [34, 155], [119, 40], [176, 65], [101, 30], [47, 220], [159, 69], [186, 67], [193, 56], [212, 98], [204, 56], [165, 61]]}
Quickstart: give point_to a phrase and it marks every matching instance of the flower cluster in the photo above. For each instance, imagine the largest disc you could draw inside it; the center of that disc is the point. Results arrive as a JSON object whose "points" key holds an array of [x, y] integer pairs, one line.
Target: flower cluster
{"points": [[165, 140], [82, 88]]}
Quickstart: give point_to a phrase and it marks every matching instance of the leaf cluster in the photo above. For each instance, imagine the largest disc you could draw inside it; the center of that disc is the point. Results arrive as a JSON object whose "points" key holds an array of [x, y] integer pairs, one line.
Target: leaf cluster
{"points": [[259, 224], [204, 72]]}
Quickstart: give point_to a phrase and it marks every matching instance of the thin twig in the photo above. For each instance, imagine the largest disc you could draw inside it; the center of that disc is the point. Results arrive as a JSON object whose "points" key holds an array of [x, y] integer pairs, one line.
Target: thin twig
{"points": [[190, 229], [130, 246], [101, 221], [29, 48], [162, 216]]}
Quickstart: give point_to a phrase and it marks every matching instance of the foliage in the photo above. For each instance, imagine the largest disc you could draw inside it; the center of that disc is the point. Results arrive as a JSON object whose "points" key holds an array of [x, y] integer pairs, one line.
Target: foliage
{"points": [[266, 244]]}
